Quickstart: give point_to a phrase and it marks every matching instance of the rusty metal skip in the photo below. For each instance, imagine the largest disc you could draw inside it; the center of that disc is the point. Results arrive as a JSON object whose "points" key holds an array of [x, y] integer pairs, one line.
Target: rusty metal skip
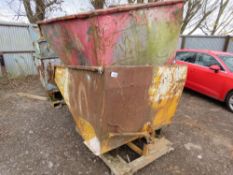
{"points": [[116, 79]]}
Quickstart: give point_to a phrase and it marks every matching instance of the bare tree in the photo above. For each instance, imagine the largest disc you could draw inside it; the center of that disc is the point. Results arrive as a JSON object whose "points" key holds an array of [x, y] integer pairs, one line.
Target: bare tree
{"points": [[98, 4], [221, 23], [141, 1], [35, 10], [196, 12], [211, 17]]}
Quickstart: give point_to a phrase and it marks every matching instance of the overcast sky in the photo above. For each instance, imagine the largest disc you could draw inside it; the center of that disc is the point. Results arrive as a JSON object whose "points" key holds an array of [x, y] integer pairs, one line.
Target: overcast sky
{"points": [[7, 12]]}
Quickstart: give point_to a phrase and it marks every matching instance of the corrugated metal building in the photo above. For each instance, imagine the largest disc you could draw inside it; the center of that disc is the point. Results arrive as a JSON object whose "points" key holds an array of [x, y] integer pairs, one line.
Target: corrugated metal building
{"points": [[16, 48]]}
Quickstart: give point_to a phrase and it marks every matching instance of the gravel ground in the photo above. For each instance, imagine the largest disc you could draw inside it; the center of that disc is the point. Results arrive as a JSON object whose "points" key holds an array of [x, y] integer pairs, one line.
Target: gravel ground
{"points": [[36, 138]]}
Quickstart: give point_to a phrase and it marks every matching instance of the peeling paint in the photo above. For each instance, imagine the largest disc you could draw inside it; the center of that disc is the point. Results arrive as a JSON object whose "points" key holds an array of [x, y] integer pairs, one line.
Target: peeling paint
{"points": [[144, 35], [127, 103], [135, 91]]}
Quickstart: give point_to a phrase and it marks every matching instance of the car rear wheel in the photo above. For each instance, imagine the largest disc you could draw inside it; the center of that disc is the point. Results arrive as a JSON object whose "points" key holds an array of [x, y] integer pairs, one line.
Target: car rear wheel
{"points": [[229, 101]]}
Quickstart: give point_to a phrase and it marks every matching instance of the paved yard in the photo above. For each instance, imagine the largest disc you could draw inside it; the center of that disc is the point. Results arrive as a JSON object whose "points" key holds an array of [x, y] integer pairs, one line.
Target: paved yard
{"points": [[36, 139]]}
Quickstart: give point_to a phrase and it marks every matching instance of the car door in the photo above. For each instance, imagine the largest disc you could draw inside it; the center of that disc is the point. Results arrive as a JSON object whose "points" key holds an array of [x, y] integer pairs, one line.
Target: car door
{"points": [[188, 59], [206, 80]]}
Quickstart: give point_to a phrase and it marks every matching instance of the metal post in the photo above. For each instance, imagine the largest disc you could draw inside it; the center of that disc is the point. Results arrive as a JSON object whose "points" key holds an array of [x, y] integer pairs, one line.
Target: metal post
{"points": [[183, 40], [226, 44], [2, 65]]}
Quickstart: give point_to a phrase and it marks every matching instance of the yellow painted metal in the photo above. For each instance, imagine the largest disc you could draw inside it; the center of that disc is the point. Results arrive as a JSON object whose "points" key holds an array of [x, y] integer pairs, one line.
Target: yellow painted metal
{"points": [[164, 95], [165, 92]]}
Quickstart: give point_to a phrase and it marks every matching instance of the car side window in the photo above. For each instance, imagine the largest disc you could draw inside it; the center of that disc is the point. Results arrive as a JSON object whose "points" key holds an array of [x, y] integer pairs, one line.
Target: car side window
{"points": [[206, 60], [189, 57]]}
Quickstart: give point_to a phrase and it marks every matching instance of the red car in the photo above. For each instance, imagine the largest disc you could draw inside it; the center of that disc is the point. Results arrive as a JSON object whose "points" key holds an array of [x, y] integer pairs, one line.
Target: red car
{"points": [[209, 73]]}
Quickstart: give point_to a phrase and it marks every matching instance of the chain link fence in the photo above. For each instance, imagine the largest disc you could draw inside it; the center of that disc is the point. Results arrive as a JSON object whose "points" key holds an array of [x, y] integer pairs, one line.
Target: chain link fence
{"points": [[219, 43]]}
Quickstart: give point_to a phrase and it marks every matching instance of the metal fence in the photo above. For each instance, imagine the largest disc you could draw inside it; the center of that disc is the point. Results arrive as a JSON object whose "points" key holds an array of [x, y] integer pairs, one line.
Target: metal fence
{"points": [[219, 43], [16, 50]]}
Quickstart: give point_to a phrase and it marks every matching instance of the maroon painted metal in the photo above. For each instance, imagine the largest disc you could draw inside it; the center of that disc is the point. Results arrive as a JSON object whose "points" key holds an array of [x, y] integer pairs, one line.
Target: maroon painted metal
{"points": [[127, 35]]}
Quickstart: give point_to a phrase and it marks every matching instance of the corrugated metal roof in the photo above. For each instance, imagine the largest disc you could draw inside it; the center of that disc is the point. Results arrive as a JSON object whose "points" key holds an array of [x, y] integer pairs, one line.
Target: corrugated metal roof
{"points": [[14, 38], [4, 23]]}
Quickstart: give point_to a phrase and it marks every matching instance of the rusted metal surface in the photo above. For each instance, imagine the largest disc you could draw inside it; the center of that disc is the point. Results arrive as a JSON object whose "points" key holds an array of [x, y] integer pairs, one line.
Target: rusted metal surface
{"points": [[45, 70], [46, 52], [128, 35], [45, 60], [115, 82], [120, 100]]}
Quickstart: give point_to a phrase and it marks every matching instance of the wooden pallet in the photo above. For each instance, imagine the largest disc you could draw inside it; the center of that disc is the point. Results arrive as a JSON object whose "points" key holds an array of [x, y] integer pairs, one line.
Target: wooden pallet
{"points": [[58, 103], [148, 154]]}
